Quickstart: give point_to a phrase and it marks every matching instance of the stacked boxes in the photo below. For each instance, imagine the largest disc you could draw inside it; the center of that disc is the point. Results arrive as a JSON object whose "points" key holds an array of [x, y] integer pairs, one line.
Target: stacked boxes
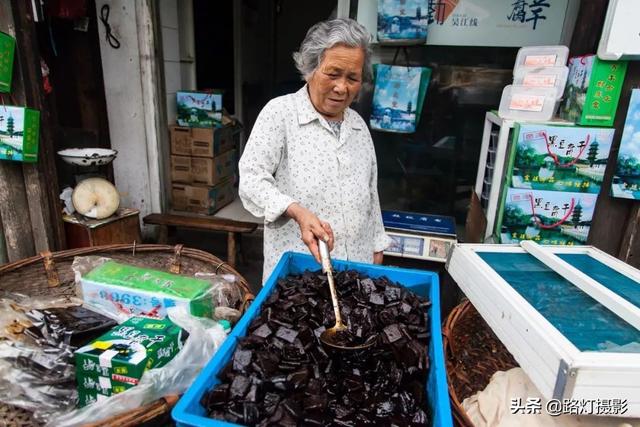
{"points": [[554, 176], [116, 361], [203, 167]]}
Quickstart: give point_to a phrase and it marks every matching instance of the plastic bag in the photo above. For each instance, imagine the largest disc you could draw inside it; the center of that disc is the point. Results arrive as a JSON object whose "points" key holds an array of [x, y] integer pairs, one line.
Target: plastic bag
{"points": [[36, 359], [74, 326], [205, 337], [13, 306], [38, 379], [224, 291]]}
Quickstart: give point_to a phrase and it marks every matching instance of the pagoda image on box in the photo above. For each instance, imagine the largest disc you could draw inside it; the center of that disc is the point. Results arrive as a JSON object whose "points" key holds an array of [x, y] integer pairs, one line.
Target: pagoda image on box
{"points": [[593, 90], [116, 361], [398, 97], [626, 181], [403, 23], [19, 133], [199, 109], [559, 158], [547, 217]]}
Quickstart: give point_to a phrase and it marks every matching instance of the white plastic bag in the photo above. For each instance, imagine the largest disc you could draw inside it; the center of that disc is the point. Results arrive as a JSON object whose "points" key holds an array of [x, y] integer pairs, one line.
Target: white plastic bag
{"points": [[205, 337]]}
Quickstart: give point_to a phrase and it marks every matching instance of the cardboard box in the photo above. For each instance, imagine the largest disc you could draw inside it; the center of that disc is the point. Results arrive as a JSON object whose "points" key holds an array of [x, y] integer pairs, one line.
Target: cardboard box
{"points": [[201, 142], [144, 292], [117, 360], [547, 217], [559, 158], [7, 51], [19, 133], [202, 199], [201, 170], [199, 109], [181, 169], [593, 90]]}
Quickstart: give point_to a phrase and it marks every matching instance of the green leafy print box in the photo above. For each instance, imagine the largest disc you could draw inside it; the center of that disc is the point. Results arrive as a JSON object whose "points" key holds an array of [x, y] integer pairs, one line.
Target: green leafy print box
{"points": [[116, 361], [19, 133], [139, 291], [7, 51], [559, 158], [593, 90], [547, 217], [199, 109]]}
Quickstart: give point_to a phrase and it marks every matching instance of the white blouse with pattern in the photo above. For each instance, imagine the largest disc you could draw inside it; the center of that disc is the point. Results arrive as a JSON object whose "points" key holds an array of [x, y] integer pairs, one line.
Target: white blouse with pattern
{"points": [[293, 155]]}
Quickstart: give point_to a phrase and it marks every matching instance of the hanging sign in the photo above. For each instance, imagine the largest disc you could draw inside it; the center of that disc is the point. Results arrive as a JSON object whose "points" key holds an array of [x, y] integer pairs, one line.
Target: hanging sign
{"points": [[485, 22]]}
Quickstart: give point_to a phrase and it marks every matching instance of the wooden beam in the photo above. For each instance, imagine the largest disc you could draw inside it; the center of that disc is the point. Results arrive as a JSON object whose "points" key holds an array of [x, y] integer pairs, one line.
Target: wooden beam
{"points": [[14, 208], [41, 180], [631, 238], [201, 223], [586, 33]]}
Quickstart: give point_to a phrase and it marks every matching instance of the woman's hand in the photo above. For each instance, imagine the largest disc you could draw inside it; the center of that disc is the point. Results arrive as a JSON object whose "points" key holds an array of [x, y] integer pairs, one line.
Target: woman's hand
{"points": [[377, 257], [311, 228]]}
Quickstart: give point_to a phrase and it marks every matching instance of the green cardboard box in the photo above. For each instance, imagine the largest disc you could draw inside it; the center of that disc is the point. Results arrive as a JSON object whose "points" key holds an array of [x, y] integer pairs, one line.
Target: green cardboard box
{"points": [[593, 90], [116, 361], [559, 158], [199, 109], [7, 51], [144, 292], [19, 133]]}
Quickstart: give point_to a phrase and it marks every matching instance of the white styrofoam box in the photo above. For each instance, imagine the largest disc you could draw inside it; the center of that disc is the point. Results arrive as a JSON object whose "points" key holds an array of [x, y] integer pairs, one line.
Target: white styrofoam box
{"points": [[555, 77], [555, 364], [542, 56], [537, 104]]}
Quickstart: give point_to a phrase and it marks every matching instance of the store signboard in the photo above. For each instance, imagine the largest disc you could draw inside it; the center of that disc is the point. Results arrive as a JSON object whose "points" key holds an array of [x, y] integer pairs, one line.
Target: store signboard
{"points": [[489, 22]]}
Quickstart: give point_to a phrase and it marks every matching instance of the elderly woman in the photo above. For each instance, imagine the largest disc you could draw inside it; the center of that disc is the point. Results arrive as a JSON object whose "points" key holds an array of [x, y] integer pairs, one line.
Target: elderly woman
{"points": [[309, 166]]}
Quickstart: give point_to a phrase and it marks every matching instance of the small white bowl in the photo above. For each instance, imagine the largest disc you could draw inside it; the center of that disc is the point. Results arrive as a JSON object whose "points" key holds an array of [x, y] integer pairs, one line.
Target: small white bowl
{"points": [[88, 156]]}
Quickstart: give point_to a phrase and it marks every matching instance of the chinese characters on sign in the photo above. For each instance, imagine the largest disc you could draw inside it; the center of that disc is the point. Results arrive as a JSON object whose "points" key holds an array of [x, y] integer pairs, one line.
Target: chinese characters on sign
{"points": [[529, 11]]}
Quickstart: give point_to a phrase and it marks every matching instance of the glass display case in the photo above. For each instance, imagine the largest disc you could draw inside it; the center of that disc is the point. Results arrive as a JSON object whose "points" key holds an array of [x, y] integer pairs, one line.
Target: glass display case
{"points": [[569, 315]]}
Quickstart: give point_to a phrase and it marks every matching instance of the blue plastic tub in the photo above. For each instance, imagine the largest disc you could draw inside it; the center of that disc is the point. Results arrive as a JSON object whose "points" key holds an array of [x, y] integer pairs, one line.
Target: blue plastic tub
{"points": [[189, 411]]}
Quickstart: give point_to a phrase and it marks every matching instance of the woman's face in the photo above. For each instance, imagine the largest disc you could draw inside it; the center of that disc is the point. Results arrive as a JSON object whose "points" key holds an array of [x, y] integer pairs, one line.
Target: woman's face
{"points": [[336, 81]]}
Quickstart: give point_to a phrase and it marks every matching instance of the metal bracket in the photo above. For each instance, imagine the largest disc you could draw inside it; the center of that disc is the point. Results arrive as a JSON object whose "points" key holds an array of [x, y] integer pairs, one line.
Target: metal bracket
{"points": [[565, 381]]}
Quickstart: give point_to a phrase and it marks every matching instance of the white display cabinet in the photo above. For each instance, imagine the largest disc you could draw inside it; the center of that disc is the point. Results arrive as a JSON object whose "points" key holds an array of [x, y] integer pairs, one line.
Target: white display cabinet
{"points": [[490, 178], [569, 315]]}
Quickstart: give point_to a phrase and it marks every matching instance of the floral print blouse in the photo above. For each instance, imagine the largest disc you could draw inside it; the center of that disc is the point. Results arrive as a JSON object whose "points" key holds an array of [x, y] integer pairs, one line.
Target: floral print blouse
{"points": [[293, 155]]}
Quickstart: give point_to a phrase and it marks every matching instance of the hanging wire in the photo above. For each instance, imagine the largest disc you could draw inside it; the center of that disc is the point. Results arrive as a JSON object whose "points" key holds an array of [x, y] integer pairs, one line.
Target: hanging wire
{"points": [[104, 17], [405, 51]]}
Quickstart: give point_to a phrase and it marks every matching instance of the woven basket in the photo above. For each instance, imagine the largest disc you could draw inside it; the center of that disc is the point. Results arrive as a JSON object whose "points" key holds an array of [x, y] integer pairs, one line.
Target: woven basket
{"points": [[50, 274], [473, 354]]}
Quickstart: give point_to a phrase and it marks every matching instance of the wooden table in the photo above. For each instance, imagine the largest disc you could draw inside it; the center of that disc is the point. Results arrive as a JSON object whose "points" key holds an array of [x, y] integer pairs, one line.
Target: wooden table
{"points": [[170, 222], [121, 227]]}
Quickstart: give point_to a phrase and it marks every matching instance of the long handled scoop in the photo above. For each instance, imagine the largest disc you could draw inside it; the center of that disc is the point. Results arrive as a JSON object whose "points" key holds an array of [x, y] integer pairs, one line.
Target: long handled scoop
{"points": [[336, 338]]}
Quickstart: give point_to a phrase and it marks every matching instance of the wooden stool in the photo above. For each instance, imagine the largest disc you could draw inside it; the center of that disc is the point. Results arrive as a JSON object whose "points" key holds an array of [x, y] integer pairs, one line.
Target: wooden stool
{"points": [[169, 223], [121, 227]]}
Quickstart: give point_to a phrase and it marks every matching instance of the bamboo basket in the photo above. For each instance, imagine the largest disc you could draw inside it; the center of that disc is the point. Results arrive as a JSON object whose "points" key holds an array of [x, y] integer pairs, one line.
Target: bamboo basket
{"points": [[472, 354], [50, 274]]}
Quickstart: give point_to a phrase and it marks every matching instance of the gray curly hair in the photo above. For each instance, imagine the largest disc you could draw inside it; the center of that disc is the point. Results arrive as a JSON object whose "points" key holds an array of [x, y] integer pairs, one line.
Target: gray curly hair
{"points": [[327, 34]]}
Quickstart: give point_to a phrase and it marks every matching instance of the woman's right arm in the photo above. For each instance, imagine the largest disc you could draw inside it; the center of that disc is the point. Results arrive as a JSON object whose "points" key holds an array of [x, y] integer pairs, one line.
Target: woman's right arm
{"points": [[259, 162], [258, 191]]}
